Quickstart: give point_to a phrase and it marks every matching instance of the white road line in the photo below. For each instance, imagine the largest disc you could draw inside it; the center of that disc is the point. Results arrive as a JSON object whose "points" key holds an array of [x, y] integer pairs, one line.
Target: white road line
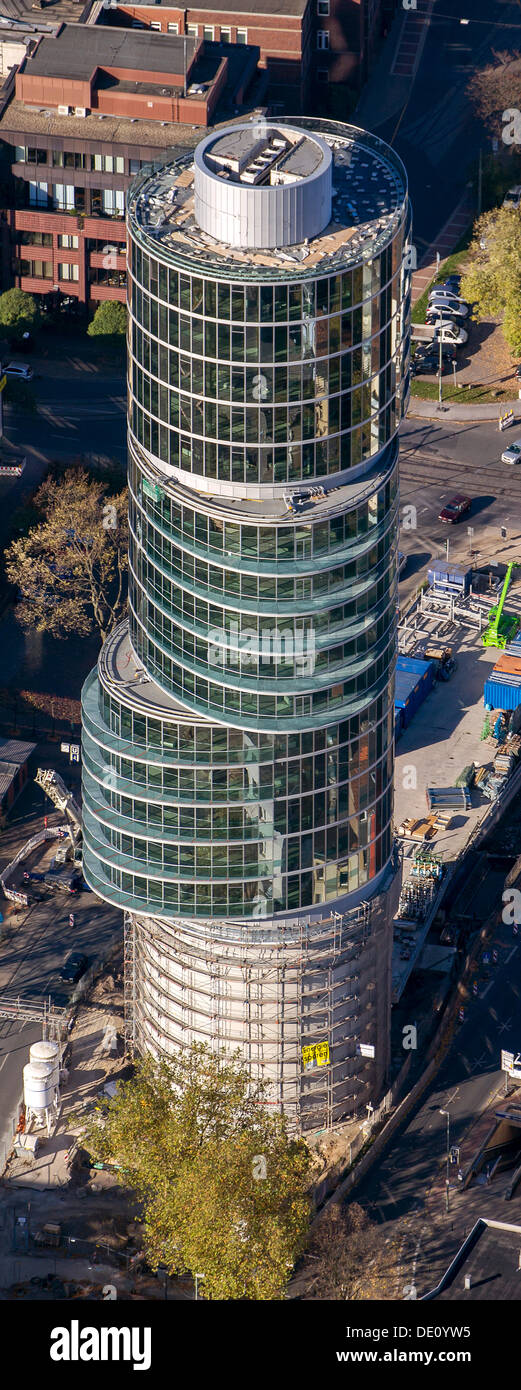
{"points": [[485, 991], [512, 953], [4, 1060]]}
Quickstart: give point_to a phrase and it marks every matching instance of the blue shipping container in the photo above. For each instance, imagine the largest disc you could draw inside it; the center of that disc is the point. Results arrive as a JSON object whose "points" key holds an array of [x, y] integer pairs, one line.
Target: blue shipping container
{"points": [[414, 679], [502, 695]]}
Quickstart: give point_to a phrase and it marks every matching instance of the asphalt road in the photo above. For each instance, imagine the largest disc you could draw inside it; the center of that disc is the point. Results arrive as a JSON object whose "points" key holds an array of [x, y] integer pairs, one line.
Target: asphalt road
{"points": [[398, 1185], [435, 132], [438, 461]]}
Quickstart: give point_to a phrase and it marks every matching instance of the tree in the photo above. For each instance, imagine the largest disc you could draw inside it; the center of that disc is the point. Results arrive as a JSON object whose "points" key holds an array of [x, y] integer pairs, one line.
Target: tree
{"points": [[493, 279], [70, 569], [495, 91], [18, 311], [110, 320], [224, 1188], [348, 1258]]}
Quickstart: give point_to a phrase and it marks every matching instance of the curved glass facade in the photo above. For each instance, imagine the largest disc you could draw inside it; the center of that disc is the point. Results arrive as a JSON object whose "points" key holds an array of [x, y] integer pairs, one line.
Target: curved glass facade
{"points": [[238, 731], [262, 383], [212, 821]]}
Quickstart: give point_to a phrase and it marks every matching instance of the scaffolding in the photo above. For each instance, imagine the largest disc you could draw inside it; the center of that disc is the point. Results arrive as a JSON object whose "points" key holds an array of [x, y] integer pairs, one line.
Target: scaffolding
{"points": [[53, 1019], [269, 990]]}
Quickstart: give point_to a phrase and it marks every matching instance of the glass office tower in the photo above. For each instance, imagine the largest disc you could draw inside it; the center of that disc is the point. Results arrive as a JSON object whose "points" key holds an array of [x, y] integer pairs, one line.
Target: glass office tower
{"points": [[238, 730]]}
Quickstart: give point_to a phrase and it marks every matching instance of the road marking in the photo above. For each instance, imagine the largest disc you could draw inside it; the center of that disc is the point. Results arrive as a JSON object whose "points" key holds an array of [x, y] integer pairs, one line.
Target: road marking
{"points": [[512, 953], [485, 991], [3, 1062]]}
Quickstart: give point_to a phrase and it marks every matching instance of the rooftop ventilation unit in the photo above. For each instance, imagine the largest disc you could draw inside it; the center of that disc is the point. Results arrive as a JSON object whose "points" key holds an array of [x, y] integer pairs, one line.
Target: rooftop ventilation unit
{"points": [[80, 110], [65, 110]]}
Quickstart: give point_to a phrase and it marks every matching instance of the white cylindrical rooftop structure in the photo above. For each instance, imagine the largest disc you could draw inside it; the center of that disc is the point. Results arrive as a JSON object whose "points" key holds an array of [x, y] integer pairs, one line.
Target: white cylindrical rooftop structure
{"points": [[263, 185]]}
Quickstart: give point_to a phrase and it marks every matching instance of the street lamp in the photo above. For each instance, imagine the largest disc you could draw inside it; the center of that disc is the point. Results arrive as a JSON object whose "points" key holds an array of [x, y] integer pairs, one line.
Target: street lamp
{"points": [[440, 366], [447, 1180]]}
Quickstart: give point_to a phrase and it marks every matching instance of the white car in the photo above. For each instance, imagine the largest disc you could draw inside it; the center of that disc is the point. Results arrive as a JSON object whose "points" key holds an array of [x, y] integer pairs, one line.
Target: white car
{"points": [[442, 313], [513, 453], [18, 370], [459, 307], [402, 561], [512, 199], [450, 333], [439, 293]]}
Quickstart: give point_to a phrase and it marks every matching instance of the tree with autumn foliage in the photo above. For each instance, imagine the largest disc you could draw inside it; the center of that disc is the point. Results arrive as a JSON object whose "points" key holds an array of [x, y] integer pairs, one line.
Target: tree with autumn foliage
{"points": [[70, 569], [492, 278], [224, 1188]]}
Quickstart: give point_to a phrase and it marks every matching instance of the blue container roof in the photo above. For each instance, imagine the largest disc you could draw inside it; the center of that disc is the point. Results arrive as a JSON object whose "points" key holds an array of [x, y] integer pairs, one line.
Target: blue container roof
{"points": [[414, 664]]}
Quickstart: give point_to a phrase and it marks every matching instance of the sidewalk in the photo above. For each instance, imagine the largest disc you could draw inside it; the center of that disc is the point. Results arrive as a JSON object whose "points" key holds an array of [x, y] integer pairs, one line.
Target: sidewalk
{"points": [[445, 242], [429, 410]]}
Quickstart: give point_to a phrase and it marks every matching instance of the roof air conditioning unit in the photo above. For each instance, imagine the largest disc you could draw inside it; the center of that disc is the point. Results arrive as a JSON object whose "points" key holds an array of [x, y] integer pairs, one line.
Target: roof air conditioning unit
{"points": [[64, 110], [80, 110]]}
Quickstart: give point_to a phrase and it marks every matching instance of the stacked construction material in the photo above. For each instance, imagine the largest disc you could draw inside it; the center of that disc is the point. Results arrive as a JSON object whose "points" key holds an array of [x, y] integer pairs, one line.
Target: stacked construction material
{"points": [[503, 690], [414, 679], [443, 797]]}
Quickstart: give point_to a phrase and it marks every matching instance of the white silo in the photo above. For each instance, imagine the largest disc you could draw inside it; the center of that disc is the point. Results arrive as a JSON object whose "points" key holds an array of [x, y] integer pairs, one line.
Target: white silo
{"points": [[49, 1052], [40, 1090]]}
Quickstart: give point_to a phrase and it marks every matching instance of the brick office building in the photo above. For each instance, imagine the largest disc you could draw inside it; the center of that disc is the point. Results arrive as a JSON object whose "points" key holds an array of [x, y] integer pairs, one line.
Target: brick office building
{"points": [[85, 111], [281, 29], [318, 53]]}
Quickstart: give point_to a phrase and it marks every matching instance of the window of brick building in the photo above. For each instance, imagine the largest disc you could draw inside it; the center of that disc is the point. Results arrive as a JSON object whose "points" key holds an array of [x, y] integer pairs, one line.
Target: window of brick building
{"points": [[173, 28], [226, 35], [322, 6], [322, 38], [242, 36], [68, 272]]}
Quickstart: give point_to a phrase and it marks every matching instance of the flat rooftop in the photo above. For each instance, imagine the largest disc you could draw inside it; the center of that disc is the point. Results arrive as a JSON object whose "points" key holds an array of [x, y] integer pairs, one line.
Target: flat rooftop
{"points": [[493, 1268], [369, 190], [253, 7], [78, 49], [241, 156]]}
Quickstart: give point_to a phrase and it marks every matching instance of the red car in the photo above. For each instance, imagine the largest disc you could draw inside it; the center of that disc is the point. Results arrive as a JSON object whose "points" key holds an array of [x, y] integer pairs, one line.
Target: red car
{"points": [[457, 507]]}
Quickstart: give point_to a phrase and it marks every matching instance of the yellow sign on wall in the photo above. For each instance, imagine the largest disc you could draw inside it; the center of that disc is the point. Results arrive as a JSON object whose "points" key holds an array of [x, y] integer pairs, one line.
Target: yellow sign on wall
{"points": [[317, 1055]]}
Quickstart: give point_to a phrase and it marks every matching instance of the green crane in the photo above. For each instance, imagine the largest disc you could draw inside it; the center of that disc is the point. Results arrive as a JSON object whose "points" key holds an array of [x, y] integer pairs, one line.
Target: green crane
{"points": [[501, 627]]}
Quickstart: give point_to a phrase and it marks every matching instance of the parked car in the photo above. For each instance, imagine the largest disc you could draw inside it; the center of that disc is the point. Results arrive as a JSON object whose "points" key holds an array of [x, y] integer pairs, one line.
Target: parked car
{"points": [[450, 333], [458, 307], [513, 453], [430, 364], [448, 351], [18, 370], [454, 510], [444, 292], [402, 561], [446, 312], [74, 966], [518, 372], [512, 198]]}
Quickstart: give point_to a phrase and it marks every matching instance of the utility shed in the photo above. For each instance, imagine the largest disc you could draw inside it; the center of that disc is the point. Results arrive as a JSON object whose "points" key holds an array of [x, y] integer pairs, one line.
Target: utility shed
{"points": [[453, 579], [414, 679]]}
